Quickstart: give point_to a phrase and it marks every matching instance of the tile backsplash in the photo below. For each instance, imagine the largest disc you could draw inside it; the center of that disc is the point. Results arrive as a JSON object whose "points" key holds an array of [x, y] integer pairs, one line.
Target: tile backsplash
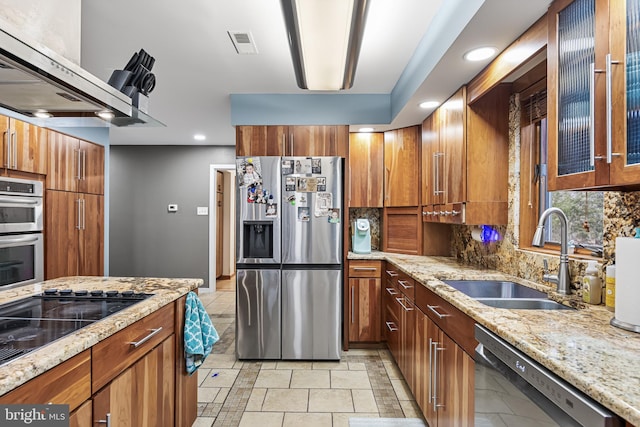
{"points": [[375, 224]]}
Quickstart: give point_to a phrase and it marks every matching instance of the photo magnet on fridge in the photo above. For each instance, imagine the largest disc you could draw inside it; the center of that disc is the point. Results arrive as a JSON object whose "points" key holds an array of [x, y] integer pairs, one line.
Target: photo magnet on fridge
{"points": [[303, 214], [272, 210], [249, 172], [316, 166], [287, 167], [289, 183], [334, 216]]}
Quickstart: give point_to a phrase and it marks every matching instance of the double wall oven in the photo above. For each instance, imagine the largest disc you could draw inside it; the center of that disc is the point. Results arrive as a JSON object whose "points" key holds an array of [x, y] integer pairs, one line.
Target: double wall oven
{"points": [[21, 224]]}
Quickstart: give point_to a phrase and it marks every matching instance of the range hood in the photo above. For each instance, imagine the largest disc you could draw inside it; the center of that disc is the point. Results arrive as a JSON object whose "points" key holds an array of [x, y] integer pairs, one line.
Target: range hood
{"points": [[35, 79]]}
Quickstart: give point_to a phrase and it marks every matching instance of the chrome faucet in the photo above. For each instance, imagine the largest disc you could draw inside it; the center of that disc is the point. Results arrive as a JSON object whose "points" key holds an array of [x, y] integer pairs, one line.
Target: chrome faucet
{"points": [[562, 279]]}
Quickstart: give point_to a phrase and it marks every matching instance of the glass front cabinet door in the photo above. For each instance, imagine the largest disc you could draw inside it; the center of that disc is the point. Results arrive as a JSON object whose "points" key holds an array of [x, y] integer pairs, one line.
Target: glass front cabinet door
{"points": [[594, 96]]}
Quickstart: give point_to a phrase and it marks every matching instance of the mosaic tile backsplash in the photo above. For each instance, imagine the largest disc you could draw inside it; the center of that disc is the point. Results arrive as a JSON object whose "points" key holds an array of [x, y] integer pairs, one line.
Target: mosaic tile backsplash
{"points": [[375, 223]]}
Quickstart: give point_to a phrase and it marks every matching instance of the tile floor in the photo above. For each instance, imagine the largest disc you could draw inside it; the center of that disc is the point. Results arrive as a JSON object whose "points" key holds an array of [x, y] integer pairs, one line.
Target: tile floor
{"points": [[364, 383]]}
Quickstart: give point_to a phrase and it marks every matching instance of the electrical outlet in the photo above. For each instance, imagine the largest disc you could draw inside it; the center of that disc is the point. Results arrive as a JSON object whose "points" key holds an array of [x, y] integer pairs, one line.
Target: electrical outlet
{"points": [[172, 208], [202, 210]]}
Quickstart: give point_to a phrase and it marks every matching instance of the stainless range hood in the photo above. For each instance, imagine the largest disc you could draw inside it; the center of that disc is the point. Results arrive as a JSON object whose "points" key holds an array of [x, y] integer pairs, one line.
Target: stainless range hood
{"points": [[35, 79]]}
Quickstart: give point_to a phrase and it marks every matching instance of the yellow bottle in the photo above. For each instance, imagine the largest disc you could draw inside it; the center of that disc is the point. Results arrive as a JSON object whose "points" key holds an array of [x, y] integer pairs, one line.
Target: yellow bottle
{"points": [[610, 292]]}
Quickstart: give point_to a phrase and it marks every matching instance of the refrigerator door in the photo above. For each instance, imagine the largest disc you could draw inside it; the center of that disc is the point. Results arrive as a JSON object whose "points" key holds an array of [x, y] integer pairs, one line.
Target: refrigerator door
{"points": [[258, 314], [311, 314], [312, 211], [258, 210]]}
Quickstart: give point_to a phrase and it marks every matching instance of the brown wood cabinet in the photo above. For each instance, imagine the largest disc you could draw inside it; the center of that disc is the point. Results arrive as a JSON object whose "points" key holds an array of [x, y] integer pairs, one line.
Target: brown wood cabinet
{"points": [[24, 146], [366, 170], [402, 167], [261, 140], [83, 416], [292, 140], [365, 305], [592, 135], [74, 165], [402, 230], [74, 234]]}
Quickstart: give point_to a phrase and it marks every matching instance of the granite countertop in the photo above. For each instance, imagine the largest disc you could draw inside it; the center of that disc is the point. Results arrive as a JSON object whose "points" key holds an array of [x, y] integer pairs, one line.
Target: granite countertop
{"points": [[578, 345], [39, 361]]}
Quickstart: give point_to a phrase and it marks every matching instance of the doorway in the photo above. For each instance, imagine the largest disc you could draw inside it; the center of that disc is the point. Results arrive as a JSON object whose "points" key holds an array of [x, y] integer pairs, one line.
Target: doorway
{"points": [[221, 225]]}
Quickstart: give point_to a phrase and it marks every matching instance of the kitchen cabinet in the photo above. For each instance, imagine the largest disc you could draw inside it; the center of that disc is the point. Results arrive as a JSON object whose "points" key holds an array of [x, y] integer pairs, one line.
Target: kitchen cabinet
{"points": [[402, 167], [402, 230], [593, 99], [465, 160], [24, 146], [391, 312], [83, 416], [365, 305], [366, 170], [74, 234], [74, 165], [292, 140]]}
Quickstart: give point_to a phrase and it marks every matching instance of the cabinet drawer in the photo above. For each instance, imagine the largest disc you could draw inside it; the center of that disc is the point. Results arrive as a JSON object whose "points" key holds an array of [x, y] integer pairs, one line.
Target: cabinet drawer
{"points": [[365, 269], [116, 353], [452, 321], [406, 285], [68, 383]]}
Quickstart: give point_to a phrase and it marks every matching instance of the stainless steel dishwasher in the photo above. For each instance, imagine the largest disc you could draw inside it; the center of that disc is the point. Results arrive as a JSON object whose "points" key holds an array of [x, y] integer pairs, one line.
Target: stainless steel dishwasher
{"points": [[512, 389]]}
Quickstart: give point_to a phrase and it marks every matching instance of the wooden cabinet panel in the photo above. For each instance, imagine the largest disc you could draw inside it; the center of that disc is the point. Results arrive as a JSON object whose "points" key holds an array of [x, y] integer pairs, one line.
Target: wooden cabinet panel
{"points": [[63, 162], [24, 146], [362, 268], [402, 167], [365, 309], [402, 230], [91, 168], [318, 141], [114, 354], [455, 385], [61, 234], [453, 147], [186, 385], [430, 158], [261, 140], [68, 383], [91, 235], [366, 170], [83, 416], [143, 395], [6, 137]]}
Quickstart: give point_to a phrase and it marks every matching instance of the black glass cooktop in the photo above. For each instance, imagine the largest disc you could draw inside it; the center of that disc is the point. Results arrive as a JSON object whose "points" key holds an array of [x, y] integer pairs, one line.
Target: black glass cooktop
{"points": [[30, 323]]}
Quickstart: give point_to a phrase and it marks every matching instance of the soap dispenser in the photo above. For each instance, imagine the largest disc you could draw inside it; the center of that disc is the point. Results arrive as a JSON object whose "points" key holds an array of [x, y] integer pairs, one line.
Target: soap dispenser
{"points": [[591, 287]]}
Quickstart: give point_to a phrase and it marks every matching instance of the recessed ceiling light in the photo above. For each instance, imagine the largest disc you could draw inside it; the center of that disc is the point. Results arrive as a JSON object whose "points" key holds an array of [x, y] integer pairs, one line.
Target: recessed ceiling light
{"points": [[199, 137], [106, 115], [364, 130], [42, 114], [480, 53], [428, 104]]}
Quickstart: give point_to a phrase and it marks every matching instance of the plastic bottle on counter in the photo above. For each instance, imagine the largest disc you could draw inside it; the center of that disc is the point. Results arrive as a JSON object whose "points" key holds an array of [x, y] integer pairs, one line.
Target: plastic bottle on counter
{"points": [[591, 287], [610, 291]]}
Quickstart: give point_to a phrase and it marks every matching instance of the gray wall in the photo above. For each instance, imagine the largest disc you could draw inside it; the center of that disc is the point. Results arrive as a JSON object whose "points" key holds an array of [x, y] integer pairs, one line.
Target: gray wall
{"points": [[146, 240]]}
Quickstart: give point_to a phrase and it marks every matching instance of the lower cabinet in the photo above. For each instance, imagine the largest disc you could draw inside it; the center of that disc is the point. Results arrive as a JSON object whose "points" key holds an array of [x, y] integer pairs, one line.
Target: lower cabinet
{"points": [[365, 307], [82, 417]]}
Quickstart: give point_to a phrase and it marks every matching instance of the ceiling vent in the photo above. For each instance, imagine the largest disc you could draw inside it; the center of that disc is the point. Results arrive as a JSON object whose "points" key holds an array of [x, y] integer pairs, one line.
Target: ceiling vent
{"points": [[243, 42]]}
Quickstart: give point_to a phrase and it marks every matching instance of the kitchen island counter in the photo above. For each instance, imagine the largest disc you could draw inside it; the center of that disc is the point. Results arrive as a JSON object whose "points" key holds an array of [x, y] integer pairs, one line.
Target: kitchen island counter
{"points": [[580, 345], [24, 368]]}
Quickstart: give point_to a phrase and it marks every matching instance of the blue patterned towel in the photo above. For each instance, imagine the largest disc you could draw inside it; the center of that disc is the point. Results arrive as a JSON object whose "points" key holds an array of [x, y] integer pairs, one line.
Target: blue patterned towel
{"points": [[199, 333]]}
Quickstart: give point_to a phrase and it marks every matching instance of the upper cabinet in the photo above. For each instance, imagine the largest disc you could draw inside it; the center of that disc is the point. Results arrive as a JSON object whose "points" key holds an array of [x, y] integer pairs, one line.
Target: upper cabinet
{"points": [[75, 165], [366, 170], [292, 140], [24, 146], [402, 167], [594, 100], [465, 159]]}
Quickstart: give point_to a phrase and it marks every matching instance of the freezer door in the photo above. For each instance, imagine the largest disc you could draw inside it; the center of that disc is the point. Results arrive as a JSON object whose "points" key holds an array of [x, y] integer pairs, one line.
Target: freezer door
{"points": [[311, 307], [258, 314], [312, 211], [258, 210]]}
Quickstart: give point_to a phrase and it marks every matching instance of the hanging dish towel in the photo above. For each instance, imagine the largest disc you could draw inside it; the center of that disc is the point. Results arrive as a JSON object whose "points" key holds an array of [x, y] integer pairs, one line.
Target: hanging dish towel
{"points": [[199, 333]]}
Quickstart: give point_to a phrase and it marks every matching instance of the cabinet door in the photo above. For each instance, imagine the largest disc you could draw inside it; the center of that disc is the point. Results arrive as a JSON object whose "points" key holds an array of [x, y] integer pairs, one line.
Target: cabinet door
{"points": [[365, 309], [434, 360], [91, 235], [318, 141], [61, 234], [453, 141], [431, 179], [83, 416], [64, 162], [421, 363], [91, 176], [402, 167], [407, 341], [455, 403], [261, 140], [142, 395], [28, 148], [366, 170]]}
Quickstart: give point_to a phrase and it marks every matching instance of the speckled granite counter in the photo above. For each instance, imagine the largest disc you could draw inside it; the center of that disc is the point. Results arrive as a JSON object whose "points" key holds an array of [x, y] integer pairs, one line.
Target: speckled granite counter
{"points": [[578, 345], [35, 363]]}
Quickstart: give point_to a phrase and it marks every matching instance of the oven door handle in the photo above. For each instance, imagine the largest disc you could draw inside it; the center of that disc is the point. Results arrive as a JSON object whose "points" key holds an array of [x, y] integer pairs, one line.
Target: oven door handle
{"points": [[20, 200], [21, 239]]}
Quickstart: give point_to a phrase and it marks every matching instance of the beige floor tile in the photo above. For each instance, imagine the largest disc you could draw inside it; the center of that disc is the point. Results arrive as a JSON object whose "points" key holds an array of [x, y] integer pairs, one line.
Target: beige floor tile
{"points": [[310, 379], [219, 361], [262, 419], [357, 366], [293, 419], [402, 389], [269, 365], [225, 378], [342, 420], [207, 394], [273, 378], [410, 409], [294, 365], [203, 422], [350, 379], [362, 352], [256, 399], [340, 366], [392, 370], [385, 354], [203, 374], [363, 401], [286, 400], [330, 400], [222, 395]]}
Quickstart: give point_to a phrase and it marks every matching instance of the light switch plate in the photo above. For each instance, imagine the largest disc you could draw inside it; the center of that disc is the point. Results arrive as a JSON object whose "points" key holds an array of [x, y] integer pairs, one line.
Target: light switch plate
{"points": [[172, 208], [202, 210]]}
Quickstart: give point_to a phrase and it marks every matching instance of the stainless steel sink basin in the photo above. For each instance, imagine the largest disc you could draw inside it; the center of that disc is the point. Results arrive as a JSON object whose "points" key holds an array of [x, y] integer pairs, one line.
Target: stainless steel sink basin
{"points": [[494, 289], [524, 304]]}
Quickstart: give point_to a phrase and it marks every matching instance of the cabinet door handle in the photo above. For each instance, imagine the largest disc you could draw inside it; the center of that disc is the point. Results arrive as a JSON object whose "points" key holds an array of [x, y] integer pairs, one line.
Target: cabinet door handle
{"points": [[14, 148], [391, 273], [405, 284], [77, 153], [391, 326], [610, 152], [592, 115], [434, 169], [352, 304], [147, 338], [402, 304], [391, 291], [79, 215], [106, 421], [436, 349], [430, 367], [364, 269], [433, 309], [83, 164]]}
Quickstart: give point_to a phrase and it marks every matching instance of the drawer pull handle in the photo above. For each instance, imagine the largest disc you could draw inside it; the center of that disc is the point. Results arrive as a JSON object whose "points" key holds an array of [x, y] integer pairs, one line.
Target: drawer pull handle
{"points": [[404, 306], [391, 326], [147, 338], [433, 309], [391, 291], [364, 268], [405, 284], [107, 421], [392, 273]]}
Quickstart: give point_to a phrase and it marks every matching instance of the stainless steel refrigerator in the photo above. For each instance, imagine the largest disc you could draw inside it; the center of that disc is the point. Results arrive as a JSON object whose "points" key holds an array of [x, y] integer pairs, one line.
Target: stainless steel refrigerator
{"points": [[289, 257]]}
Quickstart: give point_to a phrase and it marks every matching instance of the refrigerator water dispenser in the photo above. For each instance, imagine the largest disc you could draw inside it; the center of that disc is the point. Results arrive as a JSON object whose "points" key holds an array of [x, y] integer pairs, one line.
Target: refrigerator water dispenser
{"points": [[258, 239], [361, 236]]}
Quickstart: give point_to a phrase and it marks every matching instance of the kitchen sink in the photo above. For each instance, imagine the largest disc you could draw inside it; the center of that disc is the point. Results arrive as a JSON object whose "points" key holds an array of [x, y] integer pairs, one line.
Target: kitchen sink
{"points": [[524, 304], [494, 289]]}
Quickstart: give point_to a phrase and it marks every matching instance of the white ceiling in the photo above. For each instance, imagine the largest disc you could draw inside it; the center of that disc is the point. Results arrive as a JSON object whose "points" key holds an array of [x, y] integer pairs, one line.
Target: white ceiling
{"points": [[197, 67]]}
